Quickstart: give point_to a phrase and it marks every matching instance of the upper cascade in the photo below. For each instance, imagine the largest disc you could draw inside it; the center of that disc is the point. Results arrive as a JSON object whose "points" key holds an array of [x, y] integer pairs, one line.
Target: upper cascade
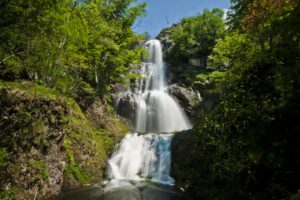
{"points": [[156, 111]]}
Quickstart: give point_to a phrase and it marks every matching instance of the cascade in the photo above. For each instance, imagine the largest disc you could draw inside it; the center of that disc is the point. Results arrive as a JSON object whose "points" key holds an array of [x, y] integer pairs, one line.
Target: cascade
{"points": [[146, 154]]}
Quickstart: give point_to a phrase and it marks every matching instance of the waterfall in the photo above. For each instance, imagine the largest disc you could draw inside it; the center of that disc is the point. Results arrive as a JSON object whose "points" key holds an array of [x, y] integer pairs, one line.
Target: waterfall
{"points": [[146, 154], [143, 156], [157, 111]]}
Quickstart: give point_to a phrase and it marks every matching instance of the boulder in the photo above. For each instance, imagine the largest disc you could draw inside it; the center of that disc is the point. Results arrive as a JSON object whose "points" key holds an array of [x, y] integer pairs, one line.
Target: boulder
{"points": [[165, 38], [118, 88], [126, 104], [186, 97], [184, 154], [103, 118]]}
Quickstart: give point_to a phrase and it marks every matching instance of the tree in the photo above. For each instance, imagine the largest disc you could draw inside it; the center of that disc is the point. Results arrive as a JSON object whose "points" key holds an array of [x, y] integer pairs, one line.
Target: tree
{"points": [[248, 140], [196, 36], [61, 43]]}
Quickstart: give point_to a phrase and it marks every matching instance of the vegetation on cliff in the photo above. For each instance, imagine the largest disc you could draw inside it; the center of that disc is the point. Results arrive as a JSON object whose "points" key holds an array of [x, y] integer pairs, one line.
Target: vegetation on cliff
{"points": [[47, 141], [193, 38], [247, 137]]}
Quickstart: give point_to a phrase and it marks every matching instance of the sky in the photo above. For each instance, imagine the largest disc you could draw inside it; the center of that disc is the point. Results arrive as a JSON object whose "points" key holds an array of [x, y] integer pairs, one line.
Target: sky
{"points": [[164, 13]]}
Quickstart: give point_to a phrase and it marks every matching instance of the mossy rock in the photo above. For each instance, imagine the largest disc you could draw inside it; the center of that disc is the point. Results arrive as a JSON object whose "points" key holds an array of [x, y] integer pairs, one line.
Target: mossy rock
{"points": [[48, 142]]}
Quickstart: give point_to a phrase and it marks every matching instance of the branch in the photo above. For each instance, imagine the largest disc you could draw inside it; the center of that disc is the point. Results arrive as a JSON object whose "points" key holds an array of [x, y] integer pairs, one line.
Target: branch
{"points": [[138, 24], [11, 56]]}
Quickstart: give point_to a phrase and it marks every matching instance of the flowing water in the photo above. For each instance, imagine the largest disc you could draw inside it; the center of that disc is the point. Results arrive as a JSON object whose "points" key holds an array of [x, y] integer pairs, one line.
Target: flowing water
{"points": [[157, 111], [145, 155]]}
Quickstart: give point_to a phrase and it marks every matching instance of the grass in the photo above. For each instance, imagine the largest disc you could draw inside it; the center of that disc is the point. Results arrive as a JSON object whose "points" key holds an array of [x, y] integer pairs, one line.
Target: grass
{"points": [[31, 88]]}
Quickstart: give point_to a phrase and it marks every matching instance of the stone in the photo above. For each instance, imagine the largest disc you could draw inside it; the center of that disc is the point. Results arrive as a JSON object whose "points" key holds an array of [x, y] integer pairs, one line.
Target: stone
{"points": [[153, 192], [123, 193], [126, 105], [183, 154], [186, 97]]}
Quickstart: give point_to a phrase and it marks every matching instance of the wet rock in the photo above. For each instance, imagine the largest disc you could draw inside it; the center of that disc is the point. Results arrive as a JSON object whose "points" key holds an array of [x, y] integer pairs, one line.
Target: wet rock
{"points": [[96, 112], [123, 193], [183, 154], [118, 88], [164, 37], [153, 192], [186, 97], [126, 105], [85, 193], [103, 118]]}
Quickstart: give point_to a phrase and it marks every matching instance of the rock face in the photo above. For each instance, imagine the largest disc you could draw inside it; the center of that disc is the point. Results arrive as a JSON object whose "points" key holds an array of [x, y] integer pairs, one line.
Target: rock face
{"points": [[47, 142], [104, 119], [186, 97], [126, 105], [31, 143], [184, 155], [164, 37]]}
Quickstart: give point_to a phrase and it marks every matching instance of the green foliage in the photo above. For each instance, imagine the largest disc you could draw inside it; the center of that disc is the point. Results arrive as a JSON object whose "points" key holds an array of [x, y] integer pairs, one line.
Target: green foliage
{"points": [[213, 77], [3, 157], [61, 43], [233, 51], [9, 194], [194, 38], [248, 138]]}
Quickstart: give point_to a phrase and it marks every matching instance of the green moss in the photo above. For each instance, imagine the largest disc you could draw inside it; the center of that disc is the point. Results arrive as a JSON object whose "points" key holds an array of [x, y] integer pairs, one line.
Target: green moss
{"points": [[108, 143], [72, 169], [3, 157], [31, 87], [10, 193], [40, 168], [41, 114], [81, 136]]}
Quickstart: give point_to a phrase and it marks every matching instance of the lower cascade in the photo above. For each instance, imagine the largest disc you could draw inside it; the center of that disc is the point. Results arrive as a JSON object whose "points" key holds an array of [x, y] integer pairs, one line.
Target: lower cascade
{"points": [[143, 156], [146, 154]]}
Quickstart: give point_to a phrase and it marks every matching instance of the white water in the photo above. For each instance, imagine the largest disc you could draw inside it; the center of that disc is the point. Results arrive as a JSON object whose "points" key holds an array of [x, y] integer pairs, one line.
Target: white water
{"points": [[143, 156], [148, 155], [157, 111]]}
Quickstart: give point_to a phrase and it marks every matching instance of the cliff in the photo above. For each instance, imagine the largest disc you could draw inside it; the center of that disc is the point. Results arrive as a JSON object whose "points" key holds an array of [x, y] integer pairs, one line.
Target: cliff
{"points": [[48, 142]]}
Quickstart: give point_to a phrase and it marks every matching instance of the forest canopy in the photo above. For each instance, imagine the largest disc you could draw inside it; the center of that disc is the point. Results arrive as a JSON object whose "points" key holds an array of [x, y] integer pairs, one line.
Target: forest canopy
{"points": [[64, 43], [247, 126]]}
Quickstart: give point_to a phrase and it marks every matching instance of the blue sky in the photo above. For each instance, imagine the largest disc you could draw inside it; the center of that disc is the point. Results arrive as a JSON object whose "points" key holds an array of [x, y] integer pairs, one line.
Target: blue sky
{"points": [[164, 13]]}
